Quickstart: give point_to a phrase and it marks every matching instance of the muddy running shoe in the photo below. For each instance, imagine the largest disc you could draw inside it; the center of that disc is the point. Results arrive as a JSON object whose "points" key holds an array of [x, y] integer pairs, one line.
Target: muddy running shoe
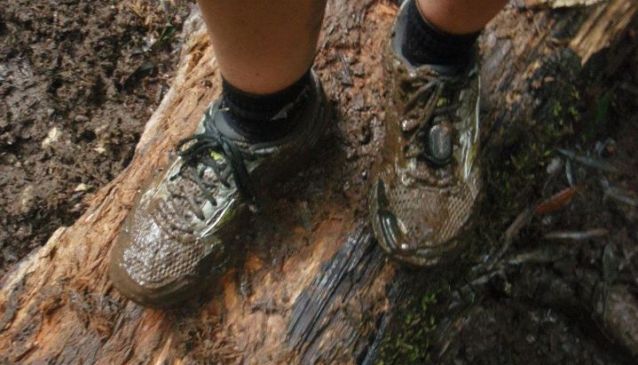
{"points": [[427, 181], [178, 230]]}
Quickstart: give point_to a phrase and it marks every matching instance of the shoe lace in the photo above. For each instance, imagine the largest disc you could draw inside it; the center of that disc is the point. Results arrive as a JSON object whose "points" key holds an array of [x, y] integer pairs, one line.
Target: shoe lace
{"points": [[211, 149], [429, 91]]}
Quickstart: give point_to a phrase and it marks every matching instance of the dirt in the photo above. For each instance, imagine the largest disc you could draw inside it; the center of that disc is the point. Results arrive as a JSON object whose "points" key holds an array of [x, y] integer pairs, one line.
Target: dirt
{"points": [[78, 80], [554, 306], [553, 302]]}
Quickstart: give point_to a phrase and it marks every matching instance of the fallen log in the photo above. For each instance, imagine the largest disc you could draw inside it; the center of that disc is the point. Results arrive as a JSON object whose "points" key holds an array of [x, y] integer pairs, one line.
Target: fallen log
{"points": [[311, 287]]}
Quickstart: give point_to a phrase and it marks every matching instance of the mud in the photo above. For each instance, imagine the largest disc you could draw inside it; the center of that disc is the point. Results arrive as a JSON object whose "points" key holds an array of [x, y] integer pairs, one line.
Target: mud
{"points": [[554, 300], [76, 91], [78, 80]]}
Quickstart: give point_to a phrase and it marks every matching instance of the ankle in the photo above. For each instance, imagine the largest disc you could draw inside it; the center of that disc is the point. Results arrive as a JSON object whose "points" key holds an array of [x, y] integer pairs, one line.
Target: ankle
{"points": [[424, 43], [265, 117]]}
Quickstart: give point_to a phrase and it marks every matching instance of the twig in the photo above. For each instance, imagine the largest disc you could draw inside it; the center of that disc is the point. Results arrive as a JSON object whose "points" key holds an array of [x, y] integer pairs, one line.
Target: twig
{"points": [[576, 235], [589, 161]]}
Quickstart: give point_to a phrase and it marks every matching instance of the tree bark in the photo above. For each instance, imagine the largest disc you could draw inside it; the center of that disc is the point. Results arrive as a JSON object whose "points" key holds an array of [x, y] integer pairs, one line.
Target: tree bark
{"points": [[312, 287]]}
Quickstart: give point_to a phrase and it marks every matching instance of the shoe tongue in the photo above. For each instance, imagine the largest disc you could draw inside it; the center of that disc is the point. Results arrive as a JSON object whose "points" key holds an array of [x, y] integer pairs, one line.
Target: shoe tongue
{"points": [[439, 143], [224, 125], [270, 133]]}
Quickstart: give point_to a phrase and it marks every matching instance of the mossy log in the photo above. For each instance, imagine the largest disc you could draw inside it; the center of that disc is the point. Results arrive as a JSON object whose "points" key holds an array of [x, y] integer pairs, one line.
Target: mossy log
{"points": [[308, 284]]}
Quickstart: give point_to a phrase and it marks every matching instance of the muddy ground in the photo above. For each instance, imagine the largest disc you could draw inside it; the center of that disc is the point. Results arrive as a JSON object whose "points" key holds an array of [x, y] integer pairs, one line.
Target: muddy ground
{"points": [[78, 82], [565, 287]]}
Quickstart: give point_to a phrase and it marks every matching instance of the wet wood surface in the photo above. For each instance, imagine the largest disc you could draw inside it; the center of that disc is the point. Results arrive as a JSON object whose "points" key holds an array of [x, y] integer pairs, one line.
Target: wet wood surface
{"points": [[310, 285]]}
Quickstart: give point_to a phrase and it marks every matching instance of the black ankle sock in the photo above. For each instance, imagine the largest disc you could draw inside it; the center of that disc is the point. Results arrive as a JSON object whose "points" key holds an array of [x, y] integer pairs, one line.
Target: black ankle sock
{"points": [[425, 44], [265, 117]]}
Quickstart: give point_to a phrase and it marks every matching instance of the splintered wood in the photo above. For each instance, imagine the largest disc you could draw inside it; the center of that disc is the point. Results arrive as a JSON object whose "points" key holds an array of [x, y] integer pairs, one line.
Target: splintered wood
{"points": [[561, 3]]}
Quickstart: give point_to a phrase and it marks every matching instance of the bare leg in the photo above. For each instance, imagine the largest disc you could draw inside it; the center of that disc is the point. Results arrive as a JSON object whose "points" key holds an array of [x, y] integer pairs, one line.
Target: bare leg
{"points": [[460, 16], [263, 46]]}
